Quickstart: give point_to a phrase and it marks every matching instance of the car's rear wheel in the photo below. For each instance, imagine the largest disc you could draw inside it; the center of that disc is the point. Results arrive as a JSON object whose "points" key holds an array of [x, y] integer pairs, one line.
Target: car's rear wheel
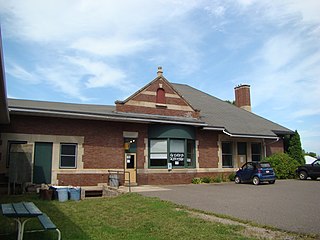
{"points": [[272, 182], [303, 175], [237, 180], [256, 180]]}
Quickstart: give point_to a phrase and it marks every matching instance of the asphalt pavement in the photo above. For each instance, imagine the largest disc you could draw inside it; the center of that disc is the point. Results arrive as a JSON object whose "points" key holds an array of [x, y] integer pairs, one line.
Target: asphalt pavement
{"points": [[291, 205]]}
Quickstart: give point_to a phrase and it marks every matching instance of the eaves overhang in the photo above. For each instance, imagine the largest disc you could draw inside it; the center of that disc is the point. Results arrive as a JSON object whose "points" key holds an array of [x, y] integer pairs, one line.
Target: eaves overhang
{"points": [[118, 117], [239, 135]]}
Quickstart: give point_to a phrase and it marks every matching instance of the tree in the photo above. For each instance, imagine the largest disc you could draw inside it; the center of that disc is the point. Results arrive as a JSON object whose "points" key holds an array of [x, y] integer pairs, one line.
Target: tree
{"points": [[312, 154], [295, 150], [231, 102]]}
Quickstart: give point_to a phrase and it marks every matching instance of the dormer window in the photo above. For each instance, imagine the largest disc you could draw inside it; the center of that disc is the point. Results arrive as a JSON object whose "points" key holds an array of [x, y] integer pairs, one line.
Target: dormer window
{"points": [[161, 99]]}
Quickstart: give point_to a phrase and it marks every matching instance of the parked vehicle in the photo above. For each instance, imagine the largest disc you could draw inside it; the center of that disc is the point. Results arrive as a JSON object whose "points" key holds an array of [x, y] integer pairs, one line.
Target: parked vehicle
{"points": [[255, 172], [309, 170]]}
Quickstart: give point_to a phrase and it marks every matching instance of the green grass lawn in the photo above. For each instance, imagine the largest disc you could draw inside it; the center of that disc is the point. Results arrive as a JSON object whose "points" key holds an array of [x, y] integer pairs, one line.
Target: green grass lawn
{"points": [[129, 216]]}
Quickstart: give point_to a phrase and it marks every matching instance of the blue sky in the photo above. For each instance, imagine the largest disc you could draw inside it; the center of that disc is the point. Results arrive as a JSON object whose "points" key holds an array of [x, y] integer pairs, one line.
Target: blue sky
{"points": [[101, 51]]}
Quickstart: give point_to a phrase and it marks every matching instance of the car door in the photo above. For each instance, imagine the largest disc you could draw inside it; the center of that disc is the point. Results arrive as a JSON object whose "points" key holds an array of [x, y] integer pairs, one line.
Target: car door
{"points": [[247, 171], [315, 169]]}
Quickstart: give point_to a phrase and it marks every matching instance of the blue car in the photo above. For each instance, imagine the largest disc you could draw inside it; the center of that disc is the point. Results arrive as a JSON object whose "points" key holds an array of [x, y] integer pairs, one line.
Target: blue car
{"points": [[255, 172]]}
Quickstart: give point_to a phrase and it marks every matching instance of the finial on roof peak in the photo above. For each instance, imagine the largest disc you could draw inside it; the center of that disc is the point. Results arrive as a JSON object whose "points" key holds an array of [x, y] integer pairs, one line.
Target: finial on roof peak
{"points": [[159, 72]]}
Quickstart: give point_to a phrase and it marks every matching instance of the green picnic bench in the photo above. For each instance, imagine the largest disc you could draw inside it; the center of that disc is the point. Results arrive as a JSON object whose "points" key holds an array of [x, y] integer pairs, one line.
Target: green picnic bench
{"points": [[23, 212], [47, 224]]}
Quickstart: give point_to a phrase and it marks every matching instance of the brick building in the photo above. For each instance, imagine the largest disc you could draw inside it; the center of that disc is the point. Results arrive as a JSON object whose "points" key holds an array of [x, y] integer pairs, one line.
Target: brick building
{"points": [[165, 133]]}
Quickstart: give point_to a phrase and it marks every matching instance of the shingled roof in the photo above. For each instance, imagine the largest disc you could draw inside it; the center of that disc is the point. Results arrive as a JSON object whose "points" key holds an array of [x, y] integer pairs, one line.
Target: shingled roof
{"points": [[215, 114], [220, 114], [91, 111]]}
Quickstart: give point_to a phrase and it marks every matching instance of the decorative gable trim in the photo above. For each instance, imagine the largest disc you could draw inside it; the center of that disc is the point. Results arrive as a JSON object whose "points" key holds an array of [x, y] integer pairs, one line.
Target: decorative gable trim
{"points": [[169, 103]]}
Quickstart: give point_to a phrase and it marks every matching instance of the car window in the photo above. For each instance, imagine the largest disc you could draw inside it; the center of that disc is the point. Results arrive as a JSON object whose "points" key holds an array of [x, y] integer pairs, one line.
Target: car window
{"points": [[265, 165], [316, 163], [250, 166], [245, 166]]}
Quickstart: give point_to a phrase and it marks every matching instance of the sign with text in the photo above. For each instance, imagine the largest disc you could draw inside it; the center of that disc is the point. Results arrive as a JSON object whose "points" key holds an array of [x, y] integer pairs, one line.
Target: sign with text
{"points": [[176, 157]]}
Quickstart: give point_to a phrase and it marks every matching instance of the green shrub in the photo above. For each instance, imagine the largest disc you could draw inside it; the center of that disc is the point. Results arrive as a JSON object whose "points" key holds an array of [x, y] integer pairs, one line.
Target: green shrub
{"points": [[206, 180], [232, 176], [196, 181], [283, 165], [218, 179]]}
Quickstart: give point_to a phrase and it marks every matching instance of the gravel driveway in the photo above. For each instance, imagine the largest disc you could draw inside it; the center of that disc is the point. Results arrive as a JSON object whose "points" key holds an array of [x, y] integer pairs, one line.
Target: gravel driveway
{"points": [[291, 205]]}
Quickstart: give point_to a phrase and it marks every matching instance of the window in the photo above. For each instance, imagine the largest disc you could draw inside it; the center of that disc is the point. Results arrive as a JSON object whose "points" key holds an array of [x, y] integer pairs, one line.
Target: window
{"points": [[227, 160], [242, 148], [158, 152], [256, 151], [179, 152], [264, 165], [248, 166], [316, 163], [68, 155], [161, 96]]}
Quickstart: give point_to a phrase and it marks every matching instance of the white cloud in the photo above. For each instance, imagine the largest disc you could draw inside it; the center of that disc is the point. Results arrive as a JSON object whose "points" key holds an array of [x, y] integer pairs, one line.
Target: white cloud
{"points": [[105, 29], [59, 21], [63, 80], [100, 74], [306, 112], [20, 73], [280, 50], [215, 9], [114, 46], [308, 10], [246, 2]]}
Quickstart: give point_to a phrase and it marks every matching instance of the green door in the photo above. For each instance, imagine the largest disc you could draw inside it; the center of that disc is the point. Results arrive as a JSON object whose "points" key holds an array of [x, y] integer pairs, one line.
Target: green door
{"points": [[42, 163]]}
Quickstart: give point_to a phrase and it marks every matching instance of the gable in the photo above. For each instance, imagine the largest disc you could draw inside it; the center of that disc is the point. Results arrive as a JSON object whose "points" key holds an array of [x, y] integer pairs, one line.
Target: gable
{"points": [[158, 98]]}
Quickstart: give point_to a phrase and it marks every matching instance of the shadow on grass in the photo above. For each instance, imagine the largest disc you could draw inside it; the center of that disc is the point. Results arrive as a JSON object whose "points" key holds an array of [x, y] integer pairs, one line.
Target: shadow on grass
{"points": [[69, 229]]}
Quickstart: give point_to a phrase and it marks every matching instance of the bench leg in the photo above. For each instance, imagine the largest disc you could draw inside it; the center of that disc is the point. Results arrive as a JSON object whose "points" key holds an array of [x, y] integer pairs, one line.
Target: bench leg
{"points": [[19, 227], [59, 234], [22, 228]]}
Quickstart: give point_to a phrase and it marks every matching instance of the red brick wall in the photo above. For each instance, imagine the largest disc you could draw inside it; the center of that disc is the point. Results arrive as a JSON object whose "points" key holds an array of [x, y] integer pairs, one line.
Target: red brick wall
{"points": [[155, 85], [152, 98], [103, 141], [82, 179], [124, 107], [156, 111], [103, 147], [274, 147], [208, 149]]}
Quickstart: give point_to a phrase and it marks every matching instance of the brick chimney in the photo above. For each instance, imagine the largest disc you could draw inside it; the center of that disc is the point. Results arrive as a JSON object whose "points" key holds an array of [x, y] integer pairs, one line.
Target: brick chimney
{"points": [[242, 94]]}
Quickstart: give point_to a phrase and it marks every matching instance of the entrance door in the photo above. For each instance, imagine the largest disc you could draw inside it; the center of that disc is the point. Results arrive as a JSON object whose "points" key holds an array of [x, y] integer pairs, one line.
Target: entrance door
{"points": [[42, 163], [130, 168]]}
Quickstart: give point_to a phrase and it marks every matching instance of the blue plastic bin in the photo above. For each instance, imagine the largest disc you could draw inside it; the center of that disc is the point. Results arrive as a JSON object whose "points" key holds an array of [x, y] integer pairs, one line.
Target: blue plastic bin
{"points": [[62, 194], [75, 194]]}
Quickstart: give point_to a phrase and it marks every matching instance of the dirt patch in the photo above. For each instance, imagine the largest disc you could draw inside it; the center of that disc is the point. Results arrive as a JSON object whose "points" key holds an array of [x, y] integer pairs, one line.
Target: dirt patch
{"points": [[249, 230]]}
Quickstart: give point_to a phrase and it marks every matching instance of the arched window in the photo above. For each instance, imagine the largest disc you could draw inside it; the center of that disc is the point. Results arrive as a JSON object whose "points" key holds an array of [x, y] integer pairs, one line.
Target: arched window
{"points": [[161, 96]]}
